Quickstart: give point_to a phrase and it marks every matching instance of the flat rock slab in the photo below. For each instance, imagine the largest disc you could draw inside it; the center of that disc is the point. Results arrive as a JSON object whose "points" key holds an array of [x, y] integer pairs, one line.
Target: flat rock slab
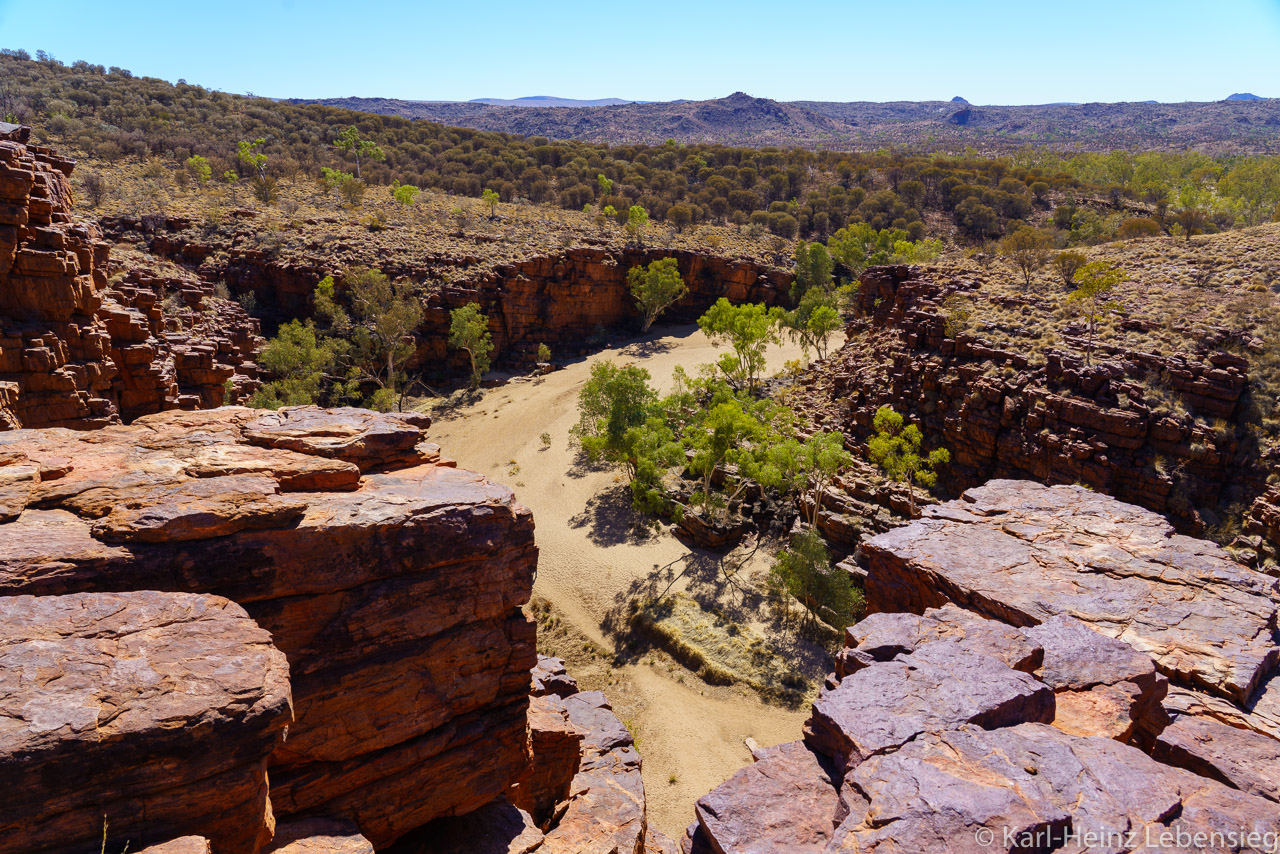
{"points": [[884, 637], [1022, 553], [975, 790], [1241, 758], [941, 686], [157, 710], [786, 801], [319, 836]]}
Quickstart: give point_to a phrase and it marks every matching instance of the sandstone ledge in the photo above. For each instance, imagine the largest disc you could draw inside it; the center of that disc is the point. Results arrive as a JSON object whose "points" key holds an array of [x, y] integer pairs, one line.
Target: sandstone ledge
{"points": [[391, 580]]}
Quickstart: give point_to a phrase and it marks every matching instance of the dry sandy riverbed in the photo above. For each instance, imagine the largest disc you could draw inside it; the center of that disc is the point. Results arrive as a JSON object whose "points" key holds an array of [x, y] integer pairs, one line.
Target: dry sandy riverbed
{"points": [[592, 560]]}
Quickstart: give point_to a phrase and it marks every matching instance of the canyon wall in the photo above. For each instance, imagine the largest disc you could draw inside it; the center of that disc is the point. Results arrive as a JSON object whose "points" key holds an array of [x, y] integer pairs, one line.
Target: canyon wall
{"points": [[78, 350], [1063, 421], [285, 628], [1044, 668], [559, 300]]}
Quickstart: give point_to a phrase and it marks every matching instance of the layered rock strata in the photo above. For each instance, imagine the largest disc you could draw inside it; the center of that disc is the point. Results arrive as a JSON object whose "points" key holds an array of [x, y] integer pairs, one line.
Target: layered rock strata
{"points": [[391, 580], [1045, 668], [1059, 420], [1023, 553], [950, 732], [133, 718], [77, 350], [560, 300]]}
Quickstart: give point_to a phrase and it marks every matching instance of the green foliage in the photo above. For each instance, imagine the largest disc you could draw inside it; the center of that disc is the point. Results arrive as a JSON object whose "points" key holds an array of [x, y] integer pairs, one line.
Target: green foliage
{"points": [[808, 467], [656, 288], [544, 353], [895, 448], [490, 200], [804, 571], [250, 154], [1095, 281], [812, 323], [118, 114], [469, 331], [405, 194], [813, 269], [198, 169], [350, 141], [734, 432], [748, 330], [637, 219], [297, 359], [1067, 263], [606, 186], [611, 403], [1027, 249]]}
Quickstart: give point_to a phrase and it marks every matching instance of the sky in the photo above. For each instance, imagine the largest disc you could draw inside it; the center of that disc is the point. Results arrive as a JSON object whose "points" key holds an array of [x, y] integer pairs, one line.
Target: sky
{"points": [[1024, 52]]}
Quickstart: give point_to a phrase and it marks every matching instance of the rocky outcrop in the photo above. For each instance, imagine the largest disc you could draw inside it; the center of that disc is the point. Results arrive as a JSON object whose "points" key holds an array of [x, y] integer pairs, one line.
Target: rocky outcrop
{"points": [[77, 350], [996, 757], [1023, 553], [560, 300], [1057, 420], [390, 580], [134, 718], [1012, 691]]}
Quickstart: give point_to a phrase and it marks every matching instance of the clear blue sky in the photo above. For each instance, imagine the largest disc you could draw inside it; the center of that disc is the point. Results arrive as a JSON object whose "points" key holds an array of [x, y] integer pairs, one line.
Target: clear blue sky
{"points": [[1004, 52]]}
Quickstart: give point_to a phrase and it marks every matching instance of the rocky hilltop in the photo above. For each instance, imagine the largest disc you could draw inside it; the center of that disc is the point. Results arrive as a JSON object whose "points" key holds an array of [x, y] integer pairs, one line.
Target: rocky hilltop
{"points": [[1046, 668], [740, 119], [1056, 417], [180, 593], [78, 349]]}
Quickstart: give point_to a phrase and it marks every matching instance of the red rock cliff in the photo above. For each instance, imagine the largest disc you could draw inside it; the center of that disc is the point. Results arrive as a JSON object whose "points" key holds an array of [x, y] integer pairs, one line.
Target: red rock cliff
{"points": [[78, 351]]}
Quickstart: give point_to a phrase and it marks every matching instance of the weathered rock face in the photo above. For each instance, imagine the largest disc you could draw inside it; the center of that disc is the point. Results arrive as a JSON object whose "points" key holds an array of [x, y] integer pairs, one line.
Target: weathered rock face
{"points": [[78, 351], [151, 713], [1060, 423], [391, 581], [1023, 553], [557, 300], [945, 731]]}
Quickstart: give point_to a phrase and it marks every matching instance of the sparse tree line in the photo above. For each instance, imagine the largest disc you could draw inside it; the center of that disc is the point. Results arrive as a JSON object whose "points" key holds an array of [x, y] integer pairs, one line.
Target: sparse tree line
{"points": [[110, 114]]}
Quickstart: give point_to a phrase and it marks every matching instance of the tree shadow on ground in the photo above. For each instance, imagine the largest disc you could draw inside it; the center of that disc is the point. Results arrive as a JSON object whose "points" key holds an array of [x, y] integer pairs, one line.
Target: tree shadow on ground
{"points": [[450, 407], [718, 582], [583, 465], [645, 349], [610, 519]]}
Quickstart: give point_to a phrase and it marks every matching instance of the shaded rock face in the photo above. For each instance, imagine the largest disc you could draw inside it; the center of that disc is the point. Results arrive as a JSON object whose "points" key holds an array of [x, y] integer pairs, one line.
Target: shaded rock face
{"points": [[1060, 423], [1023, 553], [151, 713], [946, 731], [558, 300], [600, 808], [78, 351], [391, 580]]}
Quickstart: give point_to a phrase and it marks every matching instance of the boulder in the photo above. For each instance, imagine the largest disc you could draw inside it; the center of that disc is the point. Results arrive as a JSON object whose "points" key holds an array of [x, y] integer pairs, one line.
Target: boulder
{"points": [[555, 745], [605, 810], [878, 709], [1241, 758], [1021, 552], [1034, 787], [786, 801], [397, 602], [153, 714], [319, 836]]}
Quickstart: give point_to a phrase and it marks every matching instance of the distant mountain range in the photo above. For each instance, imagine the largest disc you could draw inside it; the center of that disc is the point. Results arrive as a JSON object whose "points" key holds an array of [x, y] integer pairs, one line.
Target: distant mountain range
{"points": [[551, 101], [1241, 123]]}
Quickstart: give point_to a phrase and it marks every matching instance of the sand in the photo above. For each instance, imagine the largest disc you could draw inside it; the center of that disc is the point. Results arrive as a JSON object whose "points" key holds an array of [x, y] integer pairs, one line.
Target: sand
{"points": [[592, 560]]}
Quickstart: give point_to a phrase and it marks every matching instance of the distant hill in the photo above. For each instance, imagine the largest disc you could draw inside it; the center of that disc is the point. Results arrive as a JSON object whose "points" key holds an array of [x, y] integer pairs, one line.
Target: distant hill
{"points": [[549, 101], [1244, 96], [1251, 126]]}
